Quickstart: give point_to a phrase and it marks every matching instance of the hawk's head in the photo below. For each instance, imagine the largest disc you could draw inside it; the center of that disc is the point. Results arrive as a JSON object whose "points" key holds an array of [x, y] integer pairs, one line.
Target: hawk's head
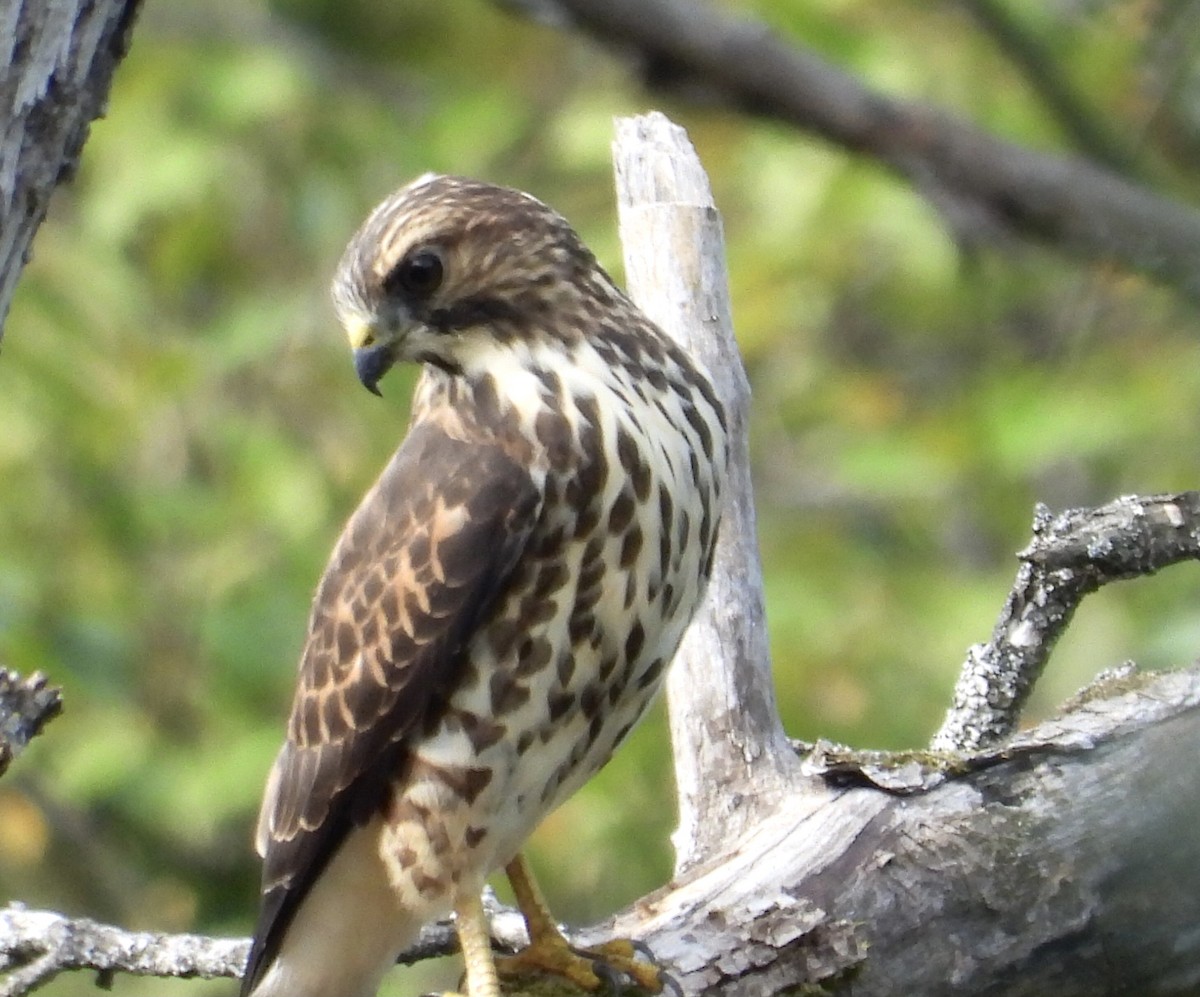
{"points": [[446, 269]]}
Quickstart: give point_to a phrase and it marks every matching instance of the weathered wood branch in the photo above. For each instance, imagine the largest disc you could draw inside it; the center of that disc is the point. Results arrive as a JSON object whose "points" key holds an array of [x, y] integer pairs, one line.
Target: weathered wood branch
{"points": [[36, 946], [1070, 556], [26, 706], [733, 762], [1065, 864], [984, 187], [56, 67]]}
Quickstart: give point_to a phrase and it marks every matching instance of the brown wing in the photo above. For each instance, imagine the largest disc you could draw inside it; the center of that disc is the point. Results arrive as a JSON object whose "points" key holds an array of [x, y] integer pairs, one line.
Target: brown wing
{"points": [[417, 569]]}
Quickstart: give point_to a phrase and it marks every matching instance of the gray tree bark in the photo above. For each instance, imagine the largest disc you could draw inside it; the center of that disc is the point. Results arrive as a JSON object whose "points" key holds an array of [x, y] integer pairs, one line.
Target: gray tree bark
{"points": [[1064, 863], [56, 66]]}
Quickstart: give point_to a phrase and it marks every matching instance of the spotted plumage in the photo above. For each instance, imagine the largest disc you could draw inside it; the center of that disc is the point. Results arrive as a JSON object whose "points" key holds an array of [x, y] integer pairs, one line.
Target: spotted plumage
{"points": [[500, 610]]}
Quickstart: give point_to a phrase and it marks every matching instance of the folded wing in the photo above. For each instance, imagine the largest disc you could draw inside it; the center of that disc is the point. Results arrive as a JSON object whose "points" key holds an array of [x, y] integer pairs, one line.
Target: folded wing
{"points": [[416, 572]]}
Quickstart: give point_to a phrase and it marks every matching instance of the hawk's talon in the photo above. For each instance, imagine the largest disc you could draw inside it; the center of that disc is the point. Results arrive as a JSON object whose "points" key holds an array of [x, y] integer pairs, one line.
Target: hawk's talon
{"points": [[611, 978], [608, 968], [670, 983], [549, 952], [615, 963], [642, 949]]}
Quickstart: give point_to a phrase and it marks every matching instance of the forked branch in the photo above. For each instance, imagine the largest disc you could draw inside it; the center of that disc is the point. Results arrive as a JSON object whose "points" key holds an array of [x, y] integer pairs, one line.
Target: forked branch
{"points": [[1070, 556]]}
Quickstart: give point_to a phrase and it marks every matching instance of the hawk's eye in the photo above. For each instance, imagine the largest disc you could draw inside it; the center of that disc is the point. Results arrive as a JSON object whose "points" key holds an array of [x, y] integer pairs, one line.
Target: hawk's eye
{"points": [[418, 275]]}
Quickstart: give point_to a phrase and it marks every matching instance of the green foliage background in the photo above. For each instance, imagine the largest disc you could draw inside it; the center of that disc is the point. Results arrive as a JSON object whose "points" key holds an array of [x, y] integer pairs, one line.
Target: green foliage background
{"points": [[181, 434]]}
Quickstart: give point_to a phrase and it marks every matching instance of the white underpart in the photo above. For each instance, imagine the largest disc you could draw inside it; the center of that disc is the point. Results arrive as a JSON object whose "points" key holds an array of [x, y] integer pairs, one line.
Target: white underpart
{"points": [[511, 802]]}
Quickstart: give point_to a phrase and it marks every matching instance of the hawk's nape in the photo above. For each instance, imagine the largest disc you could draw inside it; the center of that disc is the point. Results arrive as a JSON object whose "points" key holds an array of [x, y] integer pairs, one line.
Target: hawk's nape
{"points": [[499, 611]]}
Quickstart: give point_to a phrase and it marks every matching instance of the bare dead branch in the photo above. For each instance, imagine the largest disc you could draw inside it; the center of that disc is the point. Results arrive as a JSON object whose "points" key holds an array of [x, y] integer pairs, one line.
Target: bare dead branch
{"points": [[26, 706], [983, 186], [1070, 556], [1067, 865], [733, 762], [35, 946]]}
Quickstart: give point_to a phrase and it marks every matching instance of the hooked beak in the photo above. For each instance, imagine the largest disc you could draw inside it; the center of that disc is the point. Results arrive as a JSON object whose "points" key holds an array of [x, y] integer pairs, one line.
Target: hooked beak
{"points": [[373, 357], [371, 363]]}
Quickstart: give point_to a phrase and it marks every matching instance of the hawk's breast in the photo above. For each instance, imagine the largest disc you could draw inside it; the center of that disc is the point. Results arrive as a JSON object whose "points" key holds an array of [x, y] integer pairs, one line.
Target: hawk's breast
{"points": [[576, 649]]}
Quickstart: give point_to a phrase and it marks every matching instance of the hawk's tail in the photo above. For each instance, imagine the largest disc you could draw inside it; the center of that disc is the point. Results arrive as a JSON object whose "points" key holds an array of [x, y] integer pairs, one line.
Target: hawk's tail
{"points": [[348, 929]]}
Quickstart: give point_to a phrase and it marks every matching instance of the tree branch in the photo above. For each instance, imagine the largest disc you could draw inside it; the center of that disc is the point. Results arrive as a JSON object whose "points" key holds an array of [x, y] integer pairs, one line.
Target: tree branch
{"points": [[26, 706], [57, 62], [35, 946], [1029, 874], [980, 183], [733, 762], [1070, 556]]}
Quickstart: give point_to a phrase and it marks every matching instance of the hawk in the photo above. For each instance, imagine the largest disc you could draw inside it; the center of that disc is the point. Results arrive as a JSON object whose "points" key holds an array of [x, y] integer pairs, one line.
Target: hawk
{"points": [[499, 611]]}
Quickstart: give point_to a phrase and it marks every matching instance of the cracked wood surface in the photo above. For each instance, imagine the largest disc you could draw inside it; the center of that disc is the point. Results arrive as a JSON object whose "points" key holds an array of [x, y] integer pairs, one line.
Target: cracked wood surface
{"points": [[1066, 866]]}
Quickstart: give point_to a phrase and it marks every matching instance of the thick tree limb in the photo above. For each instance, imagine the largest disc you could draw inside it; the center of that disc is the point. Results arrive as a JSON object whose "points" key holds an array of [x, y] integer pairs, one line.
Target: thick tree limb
{"points": [[982, 185], [56, 67], [1067, 866]]}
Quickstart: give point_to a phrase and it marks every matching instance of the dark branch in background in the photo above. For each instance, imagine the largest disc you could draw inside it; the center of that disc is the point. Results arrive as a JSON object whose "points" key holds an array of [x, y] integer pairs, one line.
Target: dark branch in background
{"points": [[983, 186], [26, 706], [1071, 556], [1036, 60]]}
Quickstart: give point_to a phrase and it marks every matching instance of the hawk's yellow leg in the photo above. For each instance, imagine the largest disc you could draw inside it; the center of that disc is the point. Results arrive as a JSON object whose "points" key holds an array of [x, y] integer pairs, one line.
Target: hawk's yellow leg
{"points": [[549, 952], [475, 939]]}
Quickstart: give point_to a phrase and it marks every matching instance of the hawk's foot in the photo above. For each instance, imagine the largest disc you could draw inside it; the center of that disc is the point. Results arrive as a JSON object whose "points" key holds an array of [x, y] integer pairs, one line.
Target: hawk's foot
{"points": [[611, 967]]}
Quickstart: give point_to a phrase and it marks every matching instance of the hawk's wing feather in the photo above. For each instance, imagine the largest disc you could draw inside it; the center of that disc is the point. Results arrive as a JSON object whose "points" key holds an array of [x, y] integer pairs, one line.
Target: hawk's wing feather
{"points": [[416, 571]]}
